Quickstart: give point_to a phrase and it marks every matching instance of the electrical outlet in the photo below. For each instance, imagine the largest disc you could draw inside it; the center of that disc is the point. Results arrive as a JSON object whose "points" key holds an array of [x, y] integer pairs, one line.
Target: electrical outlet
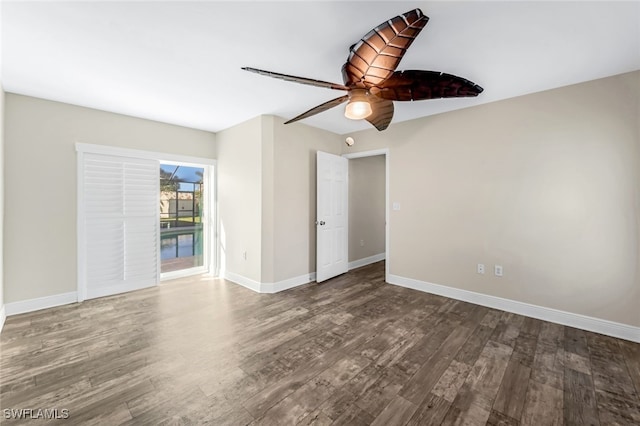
{"points": [[480, 268], [361, 243], [244, 255], [498, 270]]}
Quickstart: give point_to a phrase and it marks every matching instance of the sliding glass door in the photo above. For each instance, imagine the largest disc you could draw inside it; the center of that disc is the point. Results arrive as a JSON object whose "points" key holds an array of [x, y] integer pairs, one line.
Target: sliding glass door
{"points": [[142, 217], [184, 213]]}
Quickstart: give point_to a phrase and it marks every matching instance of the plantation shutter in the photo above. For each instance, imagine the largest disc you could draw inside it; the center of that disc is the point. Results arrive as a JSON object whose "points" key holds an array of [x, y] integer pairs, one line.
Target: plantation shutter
{"points": [[120, 197]]}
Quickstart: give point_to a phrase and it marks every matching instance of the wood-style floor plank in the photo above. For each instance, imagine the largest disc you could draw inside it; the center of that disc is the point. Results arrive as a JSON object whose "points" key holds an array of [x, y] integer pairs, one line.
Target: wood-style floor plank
{"points": [[579, 399], [350, 351], [543, 405], [513, 388]]}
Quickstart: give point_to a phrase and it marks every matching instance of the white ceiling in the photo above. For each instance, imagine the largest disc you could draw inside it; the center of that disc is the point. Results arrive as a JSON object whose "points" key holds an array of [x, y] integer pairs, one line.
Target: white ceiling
{"points": [[179, 62]]}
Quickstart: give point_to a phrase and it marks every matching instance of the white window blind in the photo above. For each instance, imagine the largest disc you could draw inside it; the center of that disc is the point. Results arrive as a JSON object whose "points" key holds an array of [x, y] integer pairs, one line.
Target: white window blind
{"points": [[120, 214]]}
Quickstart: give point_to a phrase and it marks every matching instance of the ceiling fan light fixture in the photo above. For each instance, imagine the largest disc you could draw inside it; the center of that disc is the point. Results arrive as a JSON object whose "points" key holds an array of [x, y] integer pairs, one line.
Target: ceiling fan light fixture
{"points": [[357, 110], [358, 106]]}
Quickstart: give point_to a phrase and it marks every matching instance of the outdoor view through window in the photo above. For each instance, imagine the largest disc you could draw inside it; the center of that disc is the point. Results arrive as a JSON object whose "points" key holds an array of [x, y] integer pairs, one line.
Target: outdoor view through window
{"points": [[181, 237]]}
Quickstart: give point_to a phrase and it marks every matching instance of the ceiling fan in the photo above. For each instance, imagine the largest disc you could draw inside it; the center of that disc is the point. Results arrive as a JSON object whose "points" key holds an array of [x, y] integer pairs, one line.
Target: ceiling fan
{"points": [[371, 80]]}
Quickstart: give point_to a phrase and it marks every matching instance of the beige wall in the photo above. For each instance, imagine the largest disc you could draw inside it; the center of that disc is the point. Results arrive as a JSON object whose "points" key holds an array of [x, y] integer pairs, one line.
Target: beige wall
{"points": [[239, 155], [546, 185], [40, 183], [295, 147], [366, 207], [266, 195]]}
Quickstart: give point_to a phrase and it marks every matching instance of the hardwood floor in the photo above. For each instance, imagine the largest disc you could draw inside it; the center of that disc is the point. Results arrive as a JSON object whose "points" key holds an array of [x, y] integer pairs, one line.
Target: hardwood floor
{"points": [[351, 351]]}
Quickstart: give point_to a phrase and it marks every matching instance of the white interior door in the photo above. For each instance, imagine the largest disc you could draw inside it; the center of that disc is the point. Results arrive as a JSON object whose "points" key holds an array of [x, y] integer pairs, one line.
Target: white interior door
{"points": [[332, 237]]}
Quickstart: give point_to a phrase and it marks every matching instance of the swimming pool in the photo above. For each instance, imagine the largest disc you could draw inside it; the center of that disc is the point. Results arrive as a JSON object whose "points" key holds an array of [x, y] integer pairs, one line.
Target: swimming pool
{"points": [[176, 243]]}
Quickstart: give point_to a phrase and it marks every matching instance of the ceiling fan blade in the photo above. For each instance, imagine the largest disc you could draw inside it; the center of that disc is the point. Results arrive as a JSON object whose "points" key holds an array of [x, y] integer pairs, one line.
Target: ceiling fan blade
{"points": [[320, 108], [376, 56], [295, 79], [416, 85], [382, 112]]}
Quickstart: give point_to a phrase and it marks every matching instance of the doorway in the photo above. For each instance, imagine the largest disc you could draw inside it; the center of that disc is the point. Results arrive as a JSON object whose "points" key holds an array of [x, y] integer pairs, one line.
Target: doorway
{"points": [[368, 208]]}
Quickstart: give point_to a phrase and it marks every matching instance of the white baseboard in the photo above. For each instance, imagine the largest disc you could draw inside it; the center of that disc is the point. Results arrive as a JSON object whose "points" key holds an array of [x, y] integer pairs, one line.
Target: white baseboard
{"points": [[30, 305], [276, 287], [609, 328], [288, 283], [243, 281], [3, 317], [367, 261]]}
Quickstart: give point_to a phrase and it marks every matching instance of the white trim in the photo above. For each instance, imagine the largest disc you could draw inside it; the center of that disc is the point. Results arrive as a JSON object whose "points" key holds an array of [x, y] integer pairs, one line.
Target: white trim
{"points": [[216, 267], [211, 200], [373, 152], [3, 317], [30, 305], [137, 153], [609, 328], [80, 235], [387, 164], [387, 216], [269, 288], [288, 283], [367, 261], [243, 281]]}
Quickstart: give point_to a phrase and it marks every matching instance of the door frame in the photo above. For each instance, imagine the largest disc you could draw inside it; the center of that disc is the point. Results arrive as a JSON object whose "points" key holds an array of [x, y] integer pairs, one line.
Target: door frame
{"points": [[373, 153], [81, 148]]}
